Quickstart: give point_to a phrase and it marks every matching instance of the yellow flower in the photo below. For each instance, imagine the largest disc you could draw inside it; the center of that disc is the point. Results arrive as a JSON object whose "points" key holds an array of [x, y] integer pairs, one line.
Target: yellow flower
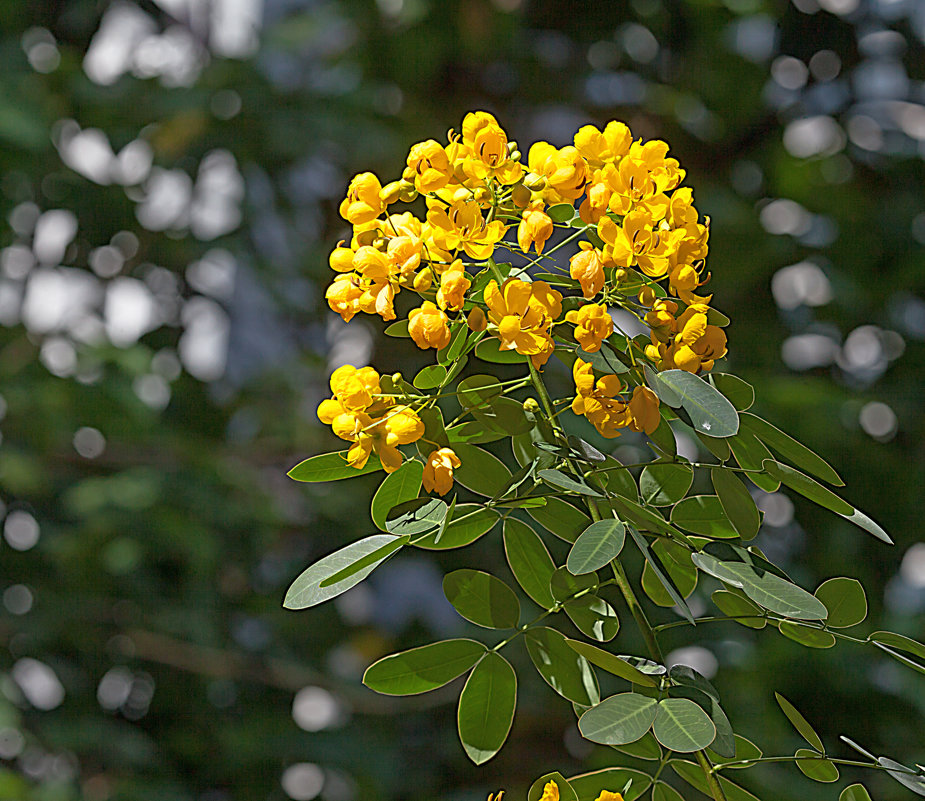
{"points": [[535, 227], [343, 295], [484, 150], [565, 171], [587, 268], [550, 792], [597, 199], [593, 325], [598, 400], [382, 436], [599, 147], [454, 283], [355, 388], [341, 259], [428, 326], [644, 408], [462, 226], [430, 166], [522, 314], [606, 795], [438, 471], [362, 203], [638, 242]]}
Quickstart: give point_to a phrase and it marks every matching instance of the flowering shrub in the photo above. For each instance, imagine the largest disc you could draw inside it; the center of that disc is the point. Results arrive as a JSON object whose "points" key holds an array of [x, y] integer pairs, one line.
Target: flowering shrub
{"points": [[637, 244]]}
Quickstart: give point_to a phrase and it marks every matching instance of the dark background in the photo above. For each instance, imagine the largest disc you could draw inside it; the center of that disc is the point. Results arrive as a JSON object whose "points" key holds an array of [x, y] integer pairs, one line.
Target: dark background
{"points": [[170, 179]]}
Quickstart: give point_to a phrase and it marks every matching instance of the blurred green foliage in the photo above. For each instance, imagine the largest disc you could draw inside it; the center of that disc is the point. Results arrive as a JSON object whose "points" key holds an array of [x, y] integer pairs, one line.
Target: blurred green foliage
{"points": [[153, 396]]}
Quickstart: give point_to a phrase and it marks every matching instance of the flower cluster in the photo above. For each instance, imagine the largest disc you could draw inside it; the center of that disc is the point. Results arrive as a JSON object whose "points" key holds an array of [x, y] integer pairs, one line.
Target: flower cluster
{"points": [[638, 244]]}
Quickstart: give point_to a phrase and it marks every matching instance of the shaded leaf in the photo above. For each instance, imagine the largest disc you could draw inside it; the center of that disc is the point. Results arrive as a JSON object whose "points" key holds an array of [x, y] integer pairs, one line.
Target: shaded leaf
{"points": [[692, 773], [482, 599], [561, 518], [467, 523], [564, 788], [744, 749], [646, 747], [423, 669], [559, 480], [737, 502], [703, 514], [734, 605], [676, 560], [665, 792], [666, 582], [566, 671], [591, 785], [750, 452], [815, 766], [529, 561], [664, 484], [800, 723], [899, 641], [618, 666], [739, 393], [489, 350], [564, 584], [791, 449], [594, 617], [399, 487], [480, 471], [806, 635], [619, 719], [416, 516], [846, 601], [486, 707]]}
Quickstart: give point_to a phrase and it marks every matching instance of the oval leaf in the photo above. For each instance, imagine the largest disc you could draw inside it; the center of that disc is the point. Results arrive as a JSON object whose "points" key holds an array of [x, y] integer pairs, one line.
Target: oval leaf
{"points": [[307, 591], [791, 449], [741, 609], [468, 522], [846, 601], [559, 480], [855, 792], [737, 502], [563, 787], [399, 487], [331, 467], [566, 671], [423, 669], [561, 518], [482, 599], [480, 471], [478, 390], [618, 720], [486, 707], [594, 617], [740, 393], [664, 484], [416, 517], [800, 723], [597, 546], [710, 412], [681, 725], [665, 792], [703, 514], [805, 635], [815, 766], [529, 561]]}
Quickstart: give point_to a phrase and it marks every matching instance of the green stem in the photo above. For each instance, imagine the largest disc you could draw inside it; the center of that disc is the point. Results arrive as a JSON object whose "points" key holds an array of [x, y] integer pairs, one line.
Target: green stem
{"points": [[716, 789]]}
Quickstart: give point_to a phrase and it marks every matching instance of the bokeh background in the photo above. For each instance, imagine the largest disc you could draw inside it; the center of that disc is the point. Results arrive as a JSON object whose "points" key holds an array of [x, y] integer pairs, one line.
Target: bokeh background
{"points": [[171, 171]]}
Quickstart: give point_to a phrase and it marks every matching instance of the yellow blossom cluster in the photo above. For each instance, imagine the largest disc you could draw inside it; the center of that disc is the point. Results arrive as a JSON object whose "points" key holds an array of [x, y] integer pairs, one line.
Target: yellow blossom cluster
{"points": [[551, 793], [638, 243]]}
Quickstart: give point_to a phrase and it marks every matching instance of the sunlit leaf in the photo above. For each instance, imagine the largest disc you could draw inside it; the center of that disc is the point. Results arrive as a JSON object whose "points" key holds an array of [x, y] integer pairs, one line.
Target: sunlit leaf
{"points": [[902, 774], [736, 606], [564, 788], [791, 449], [899, 641], [805, 635], [750, 453], [423, 669], [561, 518], [703, 514], [591, 785], [618, 666], [676, 561], [399, 487], [597, 546], [561, 212], [710, 412], [468, 522], [489, 350], [681, 725], [478, 390], [619, 719], [430, 377], [594, 617], [855, 792], [692, 773], [331, 467], [739, 393], [482, 599], [397, 329], [486, 707], [744, 750], [416, 516], [566, 671]]}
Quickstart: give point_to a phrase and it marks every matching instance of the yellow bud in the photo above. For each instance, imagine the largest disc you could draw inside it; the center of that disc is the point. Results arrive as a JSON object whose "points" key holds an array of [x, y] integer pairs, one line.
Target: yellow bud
{"points": [[476, 319], [367, 237], [512, 148], [620, 275], [407, 191], [408, 174], [530, 405], [515, 156], [520, 195], [423, 280], [397, 378], [534, 182], [381, 243], [646, 296], [389, 193], [482, 195]]}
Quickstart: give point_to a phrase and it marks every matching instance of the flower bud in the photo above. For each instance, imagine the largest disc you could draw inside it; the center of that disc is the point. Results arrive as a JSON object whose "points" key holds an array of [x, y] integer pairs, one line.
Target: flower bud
{"points": [[408, 174], [530, 405], [423, 280], [511, 148], [521, 196], [407, 191], [646, 296], [534, 182], [367, 237], [381, 243], [515, 156], [482, 195], [389, 193], [476, 319], [620, 275]]}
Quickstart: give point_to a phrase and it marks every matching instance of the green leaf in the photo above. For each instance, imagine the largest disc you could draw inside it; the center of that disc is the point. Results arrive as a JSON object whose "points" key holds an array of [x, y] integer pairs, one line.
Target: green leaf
{"points": [[739, 607], [764, 588], [480, 471], [739, 393], [791, 449], [901, 658], [561, 518], [594, 617], [478, 390], [855, 792], [504, 414], [912, 781], [809, 488], [559, 480], [307, 591], [616, 665], [590, 785], [454, 349], [665, 792], [644, 519], [430, 377], [604, 360], [482, 599], [750, 452], [709, 411], [561, 212], [646, 747], [686, 676], [692, 773], [564, 585], [596, 546], [473, 432], [619, 480], [468, 522], [845, 600], [486, 707], [815, 766], [619, 719], [399, 487], [724, 742], [566, 671], [681, 725], [718, 447], [666, 582], [800, 723], [423, 669], [399, 329], [737, 502], [805, 635], [744, 749], [331, 467], [415, 516], [566, 792], [529, 561], [663, 440], [898, 641], [676, 560], [372, 558], [703, 514], [665, 483], [489, 350]]}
